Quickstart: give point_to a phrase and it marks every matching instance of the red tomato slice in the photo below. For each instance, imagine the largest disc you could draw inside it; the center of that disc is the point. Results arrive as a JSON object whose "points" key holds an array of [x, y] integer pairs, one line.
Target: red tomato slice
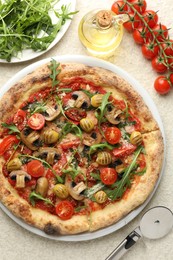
{"points": [[36, 121], [69, 144], [75, 114], [7, 143], [108, 175], [60, 164], [112, 135], [35, 168], [124, 150], [64, 210], [20, 119]]}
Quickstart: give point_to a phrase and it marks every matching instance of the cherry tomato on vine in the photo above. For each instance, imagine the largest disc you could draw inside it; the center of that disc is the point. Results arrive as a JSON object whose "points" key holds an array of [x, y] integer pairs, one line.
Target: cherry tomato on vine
{"points": [[150, 17], [112, 135], [35, 168], [133, 22], [141, 35], [119, 7], [171, 78], [168, 47], [36, 121], [108, 175], [170, 62], [158, 64], [160, 31], [149, 50], [162, 85], [139, 5], [64, 209]]}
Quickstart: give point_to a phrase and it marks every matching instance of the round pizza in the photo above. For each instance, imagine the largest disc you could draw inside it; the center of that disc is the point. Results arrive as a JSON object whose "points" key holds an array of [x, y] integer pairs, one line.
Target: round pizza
{"points": [[79, 148]]}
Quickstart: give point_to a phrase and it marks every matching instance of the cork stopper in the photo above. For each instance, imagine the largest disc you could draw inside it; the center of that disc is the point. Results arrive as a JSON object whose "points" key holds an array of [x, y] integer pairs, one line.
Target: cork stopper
{"points": [[104, 18]]}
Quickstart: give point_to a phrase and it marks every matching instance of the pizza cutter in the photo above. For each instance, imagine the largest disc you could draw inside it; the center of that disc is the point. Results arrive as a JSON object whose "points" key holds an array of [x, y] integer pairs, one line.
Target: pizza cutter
{"points": [[156, 223]]}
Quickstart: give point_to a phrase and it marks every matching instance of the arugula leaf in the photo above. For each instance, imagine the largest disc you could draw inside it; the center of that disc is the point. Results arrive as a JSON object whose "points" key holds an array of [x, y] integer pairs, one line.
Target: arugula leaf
{"points": [[54, 72], [37, 107], [12, 128], [102, 108], [93, 148], [90, 192], [70, 128], [34, 196], [121, 185]]}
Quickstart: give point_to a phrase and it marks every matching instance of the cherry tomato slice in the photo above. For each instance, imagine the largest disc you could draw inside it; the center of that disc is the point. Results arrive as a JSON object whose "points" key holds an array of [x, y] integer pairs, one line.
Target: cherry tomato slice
{"points": [[7, 143], [36, 121], [35, 168], [108, 175], [20, 119], [124, 150], [112, 135], [162, 85], [75, 114], [64, 210]]}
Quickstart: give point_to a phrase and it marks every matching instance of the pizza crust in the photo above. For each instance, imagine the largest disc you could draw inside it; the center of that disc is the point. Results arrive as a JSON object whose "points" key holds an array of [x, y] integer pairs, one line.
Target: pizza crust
{"points": [[51, 224]]}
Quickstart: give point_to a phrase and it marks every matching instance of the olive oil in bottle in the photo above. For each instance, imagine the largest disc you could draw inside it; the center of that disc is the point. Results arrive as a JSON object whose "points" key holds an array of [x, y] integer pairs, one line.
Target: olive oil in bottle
{"points": [[101, 32]]}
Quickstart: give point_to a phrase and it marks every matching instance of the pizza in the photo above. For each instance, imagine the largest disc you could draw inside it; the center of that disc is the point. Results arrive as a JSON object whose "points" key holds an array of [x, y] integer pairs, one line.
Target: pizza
{"points": [[79, 148]]}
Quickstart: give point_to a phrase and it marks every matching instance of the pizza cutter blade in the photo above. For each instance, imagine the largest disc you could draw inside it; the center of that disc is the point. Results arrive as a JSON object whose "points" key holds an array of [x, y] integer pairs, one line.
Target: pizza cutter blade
{"points": [[156, 223]]}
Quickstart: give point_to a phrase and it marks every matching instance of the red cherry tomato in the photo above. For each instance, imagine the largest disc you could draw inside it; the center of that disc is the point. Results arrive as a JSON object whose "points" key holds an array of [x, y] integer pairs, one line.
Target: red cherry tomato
{"points": [[150, 17], [20, 119], [158, 64], [108, 175], [141, 35], [36, 121], [35, 168], [160, 31], [7, 143], [171, 78], [168, 47], [162, 85], [150, 50], [133, 22], [139, 5], [112, 135], [64, 210], [119, 7], [124, 150], [75, 114], [170, 62]]}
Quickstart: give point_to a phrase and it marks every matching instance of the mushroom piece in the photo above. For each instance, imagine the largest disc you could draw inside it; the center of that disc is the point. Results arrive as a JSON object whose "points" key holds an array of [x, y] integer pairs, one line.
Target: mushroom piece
{"points": [[30, 138], [20, 176], [92, 138], [50, 154], [112, 116], [42, 186], [81, 99], [75, 191], [52, 111]]}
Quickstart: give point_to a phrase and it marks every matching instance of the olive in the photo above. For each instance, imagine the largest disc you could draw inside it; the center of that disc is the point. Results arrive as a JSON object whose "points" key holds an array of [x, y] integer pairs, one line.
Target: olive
{"points": [[14, 164], [96, 100], [61, 191], [42, 186], [104, 158], [100, 197], [86, 124], [50, 136], [136, 138]]}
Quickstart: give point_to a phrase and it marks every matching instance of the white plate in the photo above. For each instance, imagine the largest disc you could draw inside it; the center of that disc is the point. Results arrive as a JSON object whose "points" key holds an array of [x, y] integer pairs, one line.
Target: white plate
{"points": [[136, 85], [29, 54]]}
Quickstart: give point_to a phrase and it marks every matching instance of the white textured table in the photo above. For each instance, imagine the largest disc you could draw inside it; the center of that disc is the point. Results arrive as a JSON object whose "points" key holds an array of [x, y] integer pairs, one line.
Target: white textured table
{"points": [[17, 243]]}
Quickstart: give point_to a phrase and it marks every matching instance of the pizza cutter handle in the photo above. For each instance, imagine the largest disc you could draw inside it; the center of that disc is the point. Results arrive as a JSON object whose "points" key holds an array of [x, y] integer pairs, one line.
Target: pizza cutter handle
{"points": [[124, 246]]}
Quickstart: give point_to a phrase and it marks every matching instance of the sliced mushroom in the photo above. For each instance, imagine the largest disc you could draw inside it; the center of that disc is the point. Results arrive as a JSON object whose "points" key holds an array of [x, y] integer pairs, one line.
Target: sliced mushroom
{"points": [[112, 116], [50, 154], [20, 176], [52, 111], [92, 138], [42, 186], [75, 191], [81, 99], [30, 138]]}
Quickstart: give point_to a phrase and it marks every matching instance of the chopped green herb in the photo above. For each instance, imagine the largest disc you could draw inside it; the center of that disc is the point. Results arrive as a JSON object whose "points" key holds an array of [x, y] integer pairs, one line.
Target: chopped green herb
{"points": [[54, 72], [34, 196], [12, 128], [102, 108], [93, 148]]}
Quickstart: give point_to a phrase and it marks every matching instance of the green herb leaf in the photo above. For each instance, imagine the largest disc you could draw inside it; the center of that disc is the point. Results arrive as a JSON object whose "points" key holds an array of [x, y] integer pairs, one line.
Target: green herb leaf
{"points": [[93, 148], [90, 192], [12, 128], [37, 107], [54, 72], [70, 128], [34, 196], [102, 108], [121, 185]]}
